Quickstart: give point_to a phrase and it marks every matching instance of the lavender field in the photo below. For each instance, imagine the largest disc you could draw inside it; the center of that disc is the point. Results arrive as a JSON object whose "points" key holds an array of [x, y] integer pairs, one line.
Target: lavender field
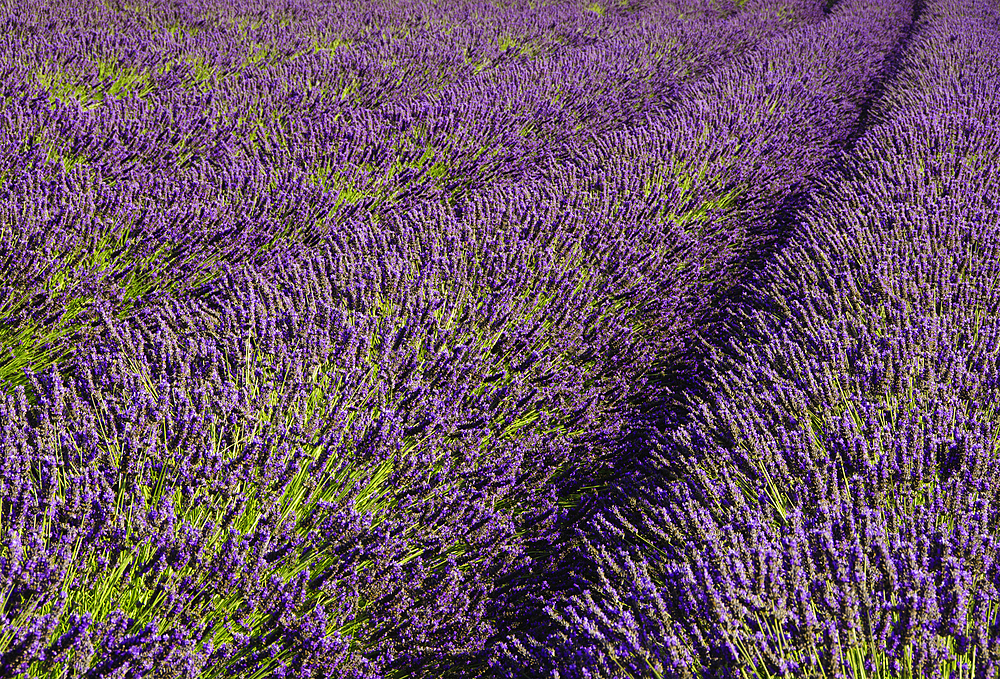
{"points": [[569, 339]]}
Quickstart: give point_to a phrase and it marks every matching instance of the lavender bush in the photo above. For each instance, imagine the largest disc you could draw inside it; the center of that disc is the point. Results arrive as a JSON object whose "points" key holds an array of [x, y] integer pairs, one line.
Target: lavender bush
{"points": [[335, 337]]}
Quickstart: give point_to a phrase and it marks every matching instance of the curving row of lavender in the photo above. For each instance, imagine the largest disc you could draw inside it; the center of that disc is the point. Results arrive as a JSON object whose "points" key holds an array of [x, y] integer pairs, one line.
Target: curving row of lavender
{"points": [[840, 516], [154, 647], [272, 445], [318, 347]]}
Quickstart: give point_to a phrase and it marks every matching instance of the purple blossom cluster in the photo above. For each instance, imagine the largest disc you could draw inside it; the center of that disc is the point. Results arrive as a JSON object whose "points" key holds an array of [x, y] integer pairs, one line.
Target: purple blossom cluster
{"points": [[838, 518], [332, 337]]}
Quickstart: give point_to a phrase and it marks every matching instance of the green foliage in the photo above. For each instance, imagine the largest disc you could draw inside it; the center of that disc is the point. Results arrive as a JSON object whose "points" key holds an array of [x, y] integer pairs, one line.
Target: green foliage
{"points": [[858, 650], [78, 86]]}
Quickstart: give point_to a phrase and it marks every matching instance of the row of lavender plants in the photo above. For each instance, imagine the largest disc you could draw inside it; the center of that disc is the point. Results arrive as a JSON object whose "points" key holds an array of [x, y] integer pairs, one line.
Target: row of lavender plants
{"points": [[287, 444], [167, 491], [840, 516]]}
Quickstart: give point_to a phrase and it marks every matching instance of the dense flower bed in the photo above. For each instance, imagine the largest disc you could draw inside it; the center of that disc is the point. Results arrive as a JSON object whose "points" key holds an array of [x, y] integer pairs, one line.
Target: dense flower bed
{"points": [[573, 339]]}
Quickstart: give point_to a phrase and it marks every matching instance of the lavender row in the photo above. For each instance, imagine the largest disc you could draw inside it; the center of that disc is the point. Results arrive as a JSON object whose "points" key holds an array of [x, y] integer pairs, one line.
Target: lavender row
{"points": [[436, 421], [842, 522], [474, 384], [464, 399]]}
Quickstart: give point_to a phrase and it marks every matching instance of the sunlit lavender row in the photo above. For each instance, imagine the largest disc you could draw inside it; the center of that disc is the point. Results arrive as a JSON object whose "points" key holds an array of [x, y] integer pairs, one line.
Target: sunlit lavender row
{"points": [[498, 339]]}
